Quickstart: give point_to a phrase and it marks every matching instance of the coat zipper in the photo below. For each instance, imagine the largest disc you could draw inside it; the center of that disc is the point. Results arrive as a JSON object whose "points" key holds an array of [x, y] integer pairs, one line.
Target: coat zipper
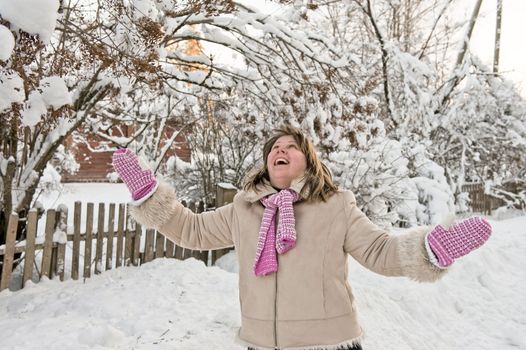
{"points": [[276, 309], [276, 294]]}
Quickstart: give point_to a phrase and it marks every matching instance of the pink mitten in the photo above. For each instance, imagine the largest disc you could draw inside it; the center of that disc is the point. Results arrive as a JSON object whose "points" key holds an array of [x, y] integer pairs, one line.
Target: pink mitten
{"points": [[460, 239], [139, 181]]}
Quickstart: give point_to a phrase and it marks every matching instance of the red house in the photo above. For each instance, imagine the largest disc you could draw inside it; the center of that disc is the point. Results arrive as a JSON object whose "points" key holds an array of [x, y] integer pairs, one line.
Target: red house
{"points": [[95, 166]]}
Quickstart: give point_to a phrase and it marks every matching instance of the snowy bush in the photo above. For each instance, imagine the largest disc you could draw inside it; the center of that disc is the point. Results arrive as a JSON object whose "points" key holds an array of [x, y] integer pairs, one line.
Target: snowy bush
{"points": [[393, 182]]}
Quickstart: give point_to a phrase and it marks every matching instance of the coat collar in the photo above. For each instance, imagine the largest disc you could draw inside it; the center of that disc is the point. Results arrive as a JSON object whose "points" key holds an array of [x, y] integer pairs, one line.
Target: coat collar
{"points": [[264, 189]]}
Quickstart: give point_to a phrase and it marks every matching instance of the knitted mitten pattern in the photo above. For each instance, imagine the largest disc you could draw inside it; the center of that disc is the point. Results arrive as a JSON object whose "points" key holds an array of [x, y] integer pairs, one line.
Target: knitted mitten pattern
{"points": [[140, 181], [458, 240]]}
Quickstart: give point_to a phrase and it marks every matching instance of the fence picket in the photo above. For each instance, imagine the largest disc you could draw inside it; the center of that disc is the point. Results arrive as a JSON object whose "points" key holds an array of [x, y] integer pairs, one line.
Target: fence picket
{"points": [[61, 258], [48, 243], [88, 241], [76, 241], [169, 248], [201, 255], [31, 231], [224, 195], [148, 246], [136, 245], [178, 252], [128, 246], [159, 245], [100, 239], [187, 253], [109, 241], [61, 249], [128, 243], [10, 241], [120, 235], [53, 264]]}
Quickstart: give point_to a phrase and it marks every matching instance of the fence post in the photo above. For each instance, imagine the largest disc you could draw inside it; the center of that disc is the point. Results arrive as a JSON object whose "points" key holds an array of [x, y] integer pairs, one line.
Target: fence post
{"points": [[10, 241], [224, 194]]}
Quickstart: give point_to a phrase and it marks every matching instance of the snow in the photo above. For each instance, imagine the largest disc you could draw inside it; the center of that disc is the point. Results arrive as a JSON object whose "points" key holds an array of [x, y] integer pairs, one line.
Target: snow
{"points": [[33, 110], [156, 306], [7, 43], [33, 16], [55, 92], [69, 193], [170, 304], [477, 305], [145, 8], [11, 89], [227, 186], [183, 305], [86, 192]]}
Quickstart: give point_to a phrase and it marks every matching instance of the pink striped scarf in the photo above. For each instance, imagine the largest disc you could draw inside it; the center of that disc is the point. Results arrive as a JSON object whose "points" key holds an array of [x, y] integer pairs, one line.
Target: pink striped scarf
{"points": [[266, 260]]}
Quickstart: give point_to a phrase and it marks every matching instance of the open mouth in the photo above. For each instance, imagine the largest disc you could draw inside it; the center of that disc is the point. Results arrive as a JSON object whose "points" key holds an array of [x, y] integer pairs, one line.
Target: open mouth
{"points": [[281, 161]]}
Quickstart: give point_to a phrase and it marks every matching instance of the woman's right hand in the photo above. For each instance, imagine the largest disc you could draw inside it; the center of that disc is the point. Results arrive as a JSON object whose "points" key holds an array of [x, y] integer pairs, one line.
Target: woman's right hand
{"points": [[140, 180]]}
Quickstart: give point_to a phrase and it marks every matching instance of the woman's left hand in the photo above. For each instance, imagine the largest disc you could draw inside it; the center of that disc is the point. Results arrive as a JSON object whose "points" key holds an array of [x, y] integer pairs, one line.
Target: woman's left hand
{"points": [[459, 239]]}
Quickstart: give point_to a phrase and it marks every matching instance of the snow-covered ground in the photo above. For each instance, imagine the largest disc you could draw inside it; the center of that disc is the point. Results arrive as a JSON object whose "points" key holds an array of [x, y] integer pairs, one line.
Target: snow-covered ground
{"points": [[171, 304]]}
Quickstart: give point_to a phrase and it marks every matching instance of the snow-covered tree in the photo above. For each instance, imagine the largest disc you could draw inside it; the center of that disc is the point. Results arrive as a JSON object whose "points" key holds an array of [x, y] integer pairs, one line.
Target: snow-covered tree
{"points": [[98, 67], [482, 136], [411, 76], [223, 149], [369, 81]]}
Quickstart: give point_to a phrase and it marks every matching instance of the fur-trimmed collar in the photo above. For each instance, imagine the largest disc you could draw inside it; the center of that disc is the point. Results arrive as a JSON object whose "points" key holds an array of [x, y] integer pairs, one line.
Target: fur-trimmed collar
{"points": [[264, 189]]}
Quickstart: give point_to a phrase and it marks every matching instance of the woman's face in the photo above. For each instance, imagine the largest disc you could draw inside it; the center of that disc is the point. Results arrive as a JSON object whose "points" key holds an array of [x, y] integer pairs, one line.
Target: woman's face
{"points": [[285, 162]]}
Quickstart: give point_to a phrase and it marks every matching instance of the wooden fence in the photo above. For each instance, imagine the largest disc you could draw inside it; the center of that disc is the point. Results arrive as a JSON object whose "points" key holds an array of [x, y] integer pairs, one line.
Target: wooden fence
{"points": [[114, 240], [480, 201], [117, 241]]}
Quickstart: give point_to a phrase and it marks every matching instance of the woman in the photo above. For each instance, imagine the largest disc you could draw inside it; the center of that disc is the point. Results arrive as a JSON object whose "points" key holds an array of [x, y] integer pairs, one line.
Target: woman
{"points": [[292, 230]]}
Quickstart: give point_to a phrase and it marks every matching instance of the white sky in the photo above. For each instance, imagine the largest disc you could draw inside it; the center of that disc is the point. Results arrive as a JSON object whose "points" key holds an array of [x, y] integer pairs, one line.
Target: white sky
{"points": [[513, 49]]}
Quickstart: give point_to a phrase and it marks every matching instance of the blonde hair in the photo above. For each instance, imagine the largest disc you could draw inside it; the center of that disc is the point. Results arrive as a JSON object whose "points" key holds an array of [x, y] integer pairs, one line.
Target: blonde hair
{"points": [[318, 179]]}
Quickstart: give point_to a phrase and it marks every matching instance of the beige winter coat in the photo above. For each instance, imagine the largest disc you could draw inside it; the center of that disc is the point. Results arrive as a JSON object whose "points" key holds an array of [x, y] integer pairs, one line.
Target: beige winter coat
{"points": [[308, 303]]}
